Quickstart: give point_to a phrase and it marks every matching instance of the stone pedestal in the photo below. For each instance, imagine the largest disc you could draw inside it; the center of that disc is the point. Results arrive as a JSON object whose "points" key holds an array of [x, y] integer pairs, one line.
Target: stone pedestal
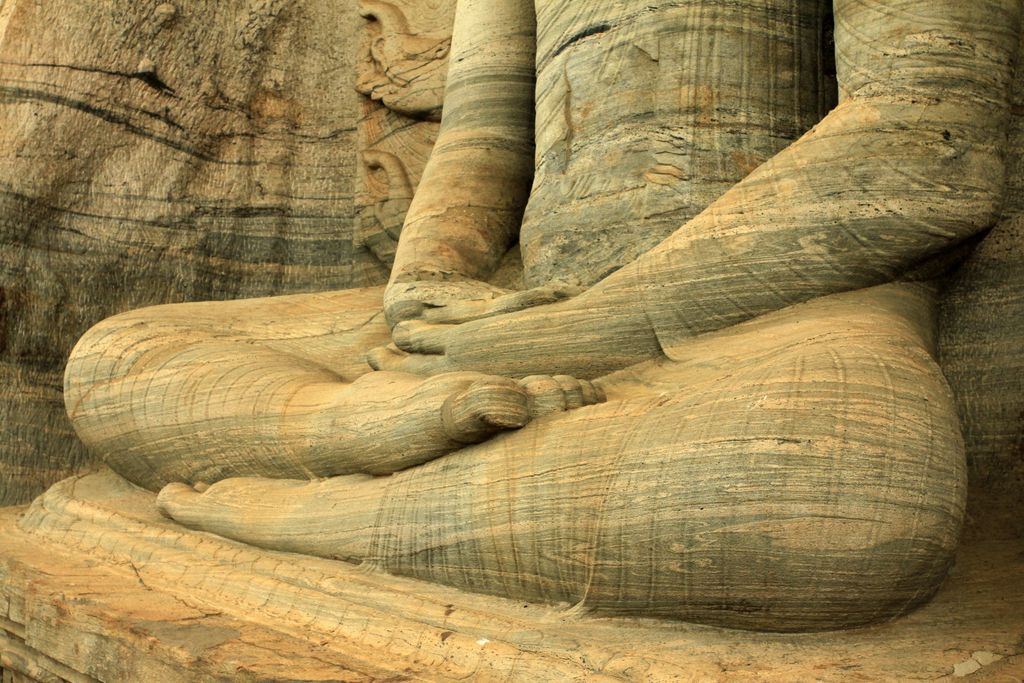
{"points": [[96, 585]]}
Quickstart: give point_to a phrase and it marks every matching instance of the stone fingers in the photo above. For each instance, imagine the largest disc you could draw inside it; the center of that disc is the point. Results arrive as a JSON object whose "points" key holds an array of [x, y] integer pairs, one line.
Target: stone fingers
{"points": [[434, 297], [552, 394], [493, 403], [488, 405], [467, 311], [459, 312], [417, 337]]}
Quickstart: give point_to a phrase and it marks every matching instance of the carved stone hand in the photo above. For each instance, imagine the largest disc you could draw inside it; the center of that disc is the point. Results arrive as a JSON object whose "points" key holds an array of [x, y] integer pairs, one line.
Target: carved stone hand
{"points": [[587, 336], [451, 302]]}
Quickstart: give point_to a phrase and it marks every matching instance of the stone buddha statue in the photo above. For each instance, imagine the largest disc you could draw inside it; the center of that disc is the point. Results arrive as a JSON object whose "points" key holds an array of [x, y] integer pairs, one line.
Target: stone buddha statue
{"points": [[715, 398]]}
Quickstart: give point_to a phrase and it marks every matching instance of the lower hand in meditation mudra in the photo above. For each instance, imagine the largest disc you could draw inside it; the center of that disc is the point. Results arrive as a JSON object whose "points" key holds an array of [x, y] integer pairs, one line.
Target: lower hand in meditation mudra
{"points": [[739, 268]]}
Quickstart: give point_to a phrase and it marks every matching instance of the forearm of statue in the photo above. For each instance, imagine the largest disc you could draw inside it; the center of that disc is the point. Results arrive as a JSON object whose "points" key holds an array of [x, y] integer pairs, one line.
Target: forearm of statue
{"points": [[908, 166], [469, 204]]}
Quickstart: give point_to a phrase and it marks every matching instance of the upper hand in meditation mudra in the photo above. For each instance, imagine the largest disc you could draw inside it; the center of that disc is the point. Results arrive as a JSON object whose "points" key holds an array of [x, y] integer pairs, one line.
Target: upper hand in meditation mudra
{"points": [[565, 337], [449, 302], [779, 449]]}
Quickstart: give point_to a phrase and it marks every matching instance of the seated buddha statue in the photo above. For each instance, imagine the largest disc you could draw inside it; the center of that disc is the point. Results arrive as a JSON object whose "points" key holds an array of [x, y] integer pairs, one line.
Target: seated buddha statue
{"points": [[715, 399]]}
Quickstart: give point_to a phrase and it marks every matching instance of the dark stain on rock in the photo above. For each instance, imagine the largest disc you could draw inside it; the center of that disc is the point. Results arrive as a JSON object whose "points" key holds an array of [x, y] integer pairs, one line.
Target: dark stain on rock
{"points": [[585, 33]]}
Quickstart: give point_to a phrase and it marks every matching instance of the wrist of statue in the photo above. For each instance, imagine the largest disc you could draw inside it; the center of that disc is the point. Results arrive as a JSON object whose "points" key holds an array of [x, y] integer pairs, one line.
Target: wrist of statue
{"points": [[411, 294]]}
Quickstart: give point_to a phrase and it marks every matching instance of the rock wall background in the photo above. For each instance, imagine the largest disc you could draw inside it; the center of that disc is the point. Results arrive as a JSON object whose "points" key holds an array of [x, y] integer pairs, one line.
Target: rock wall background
{"points": [[981, 348], [158, 152]]}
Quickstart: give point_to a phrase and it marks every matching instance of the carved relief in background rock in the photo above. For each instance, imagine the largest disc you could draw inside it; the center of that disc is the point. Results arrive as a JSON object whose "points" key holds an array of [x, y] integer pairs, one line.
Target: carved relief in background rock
{"points": [[156, 153], [401, 72], [405, 57]]}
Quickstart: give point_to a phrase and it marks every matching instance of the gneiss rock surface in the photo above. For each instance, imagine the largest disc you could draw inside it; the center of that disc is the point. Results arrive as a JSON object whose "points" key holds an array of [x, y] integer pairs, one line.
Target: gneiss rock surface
{"points": [[153, 153], [768, 441]]}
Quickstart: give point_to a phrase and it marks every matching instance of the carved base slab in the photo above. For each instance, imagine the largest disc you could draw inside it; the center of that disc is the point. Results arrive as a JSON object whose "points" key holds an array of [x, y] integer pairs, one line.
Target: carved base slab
{"points": [[95, 585]]}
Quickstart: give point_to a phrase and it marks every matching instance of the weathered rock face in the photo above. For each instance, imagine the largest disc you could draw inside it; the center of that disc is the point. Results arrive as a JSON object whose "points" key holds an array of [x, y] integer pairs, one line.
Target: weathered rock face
{"points": [[160, 152], [981, 344]]}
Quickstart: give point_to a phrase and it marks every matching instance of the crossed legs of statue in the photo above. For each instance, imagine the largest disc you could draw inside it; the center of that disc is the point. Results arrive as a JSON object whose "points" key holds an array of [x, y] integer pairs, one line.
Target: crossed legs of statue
{"points": [[800, 471], [279, 387]]}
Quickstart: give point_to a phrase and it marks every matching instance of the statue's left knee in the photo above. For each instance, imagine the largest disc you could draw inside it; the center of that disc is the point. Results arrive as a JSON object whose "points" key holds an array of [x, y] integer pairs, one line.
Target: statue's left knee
{"points": [[837, 501]]}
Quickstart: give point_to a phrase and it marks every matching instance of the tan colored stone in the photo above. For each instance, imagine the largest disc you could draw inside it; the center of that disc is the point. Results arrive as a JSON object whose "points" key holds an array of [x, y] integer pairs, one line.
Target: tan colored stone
{"points": [[719, 400], [156, 153], [122, 594], [401, 70]]}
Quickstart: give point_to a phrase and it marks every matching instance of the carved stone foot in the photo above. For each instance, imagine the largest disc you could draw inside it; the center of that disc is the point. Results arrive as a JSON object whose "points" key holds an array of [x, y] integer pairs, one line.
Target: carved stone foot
{"points": [[465, 408], [392, 421], [492, 403]]}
